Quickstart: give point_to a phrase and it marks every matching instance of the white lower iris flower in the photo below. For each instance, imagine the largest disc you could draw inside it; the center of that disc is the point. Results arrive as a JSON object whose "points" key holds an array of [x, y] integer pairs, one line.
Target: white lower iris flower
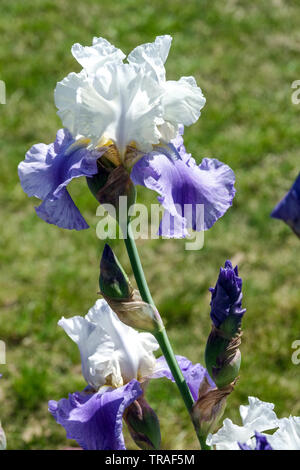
{"points": [[112, 353], [258, 417], [117, 364]]}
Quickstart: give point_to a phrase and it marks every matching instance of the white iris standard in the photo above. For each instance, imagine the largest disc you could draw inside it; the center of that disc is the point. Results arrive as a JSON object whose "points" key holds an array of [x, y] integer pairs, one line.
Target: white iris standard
{"points": [[258, 416], [112, 353], [126, 104]]}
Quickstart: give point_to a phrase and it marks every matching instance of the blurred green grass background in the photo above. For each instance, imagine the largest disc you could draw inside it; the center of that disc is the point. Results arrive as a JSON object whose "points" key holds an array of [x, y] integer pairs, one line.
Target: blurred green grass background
{"points": [[245, 56]]}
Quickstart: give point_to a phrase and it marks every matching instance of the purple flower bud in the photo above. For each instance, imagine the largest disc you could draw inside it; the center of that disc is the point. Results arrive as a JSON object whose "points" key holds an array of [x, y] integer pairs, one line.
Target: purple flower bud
{"points": [[222, 354], [226, 298], [288, 209]]}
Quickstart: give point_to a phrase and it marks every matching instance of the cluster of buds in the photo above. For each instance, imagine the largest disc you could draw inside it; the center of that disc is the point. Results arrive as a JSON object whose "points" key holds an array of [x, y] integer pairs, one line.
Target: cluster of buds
{"points": [[222, 354]]}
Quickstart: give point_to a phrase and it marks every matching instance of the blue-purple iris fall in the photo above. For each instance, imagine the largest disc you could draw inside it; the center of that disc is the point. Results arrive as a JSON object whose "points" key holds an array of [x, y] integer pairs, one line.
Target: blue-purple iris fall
{"points": [[46, 172], [261, 443], [168, 170], [226, 296], [94, 419], [288, 209]]}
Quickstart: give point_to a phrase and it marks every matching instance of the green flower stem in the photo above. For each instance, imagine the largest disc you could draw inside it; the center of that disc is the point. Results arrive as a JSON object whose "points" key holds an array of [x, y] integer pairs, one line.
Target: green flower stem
{"points": [[160, 334], [203, 444]]}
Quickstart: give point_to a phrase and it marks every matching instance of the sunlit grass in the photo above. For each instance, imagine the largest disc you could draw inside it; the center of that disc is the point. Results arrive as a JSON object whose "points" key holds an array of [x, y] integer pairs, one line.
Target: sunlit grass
{"points": [[245, 58]]}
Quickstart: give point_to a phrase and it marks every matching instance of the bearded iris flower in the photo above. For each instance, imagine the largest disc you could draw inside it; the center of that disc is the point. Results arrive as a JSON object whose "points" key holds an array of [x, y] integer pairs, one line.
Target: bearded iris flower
{"points": [[117, 363], [129, 115], [126, 106], [114, 357], [257, 418]]}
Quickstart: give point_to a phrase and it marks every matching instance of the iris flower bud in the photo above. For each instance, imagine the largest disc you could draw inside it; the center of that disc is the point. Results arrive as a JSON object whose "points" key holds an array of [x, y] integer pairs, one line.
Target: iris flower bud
{"points": [[113, 280], [222, 354], [125, 301], [143, 424]]}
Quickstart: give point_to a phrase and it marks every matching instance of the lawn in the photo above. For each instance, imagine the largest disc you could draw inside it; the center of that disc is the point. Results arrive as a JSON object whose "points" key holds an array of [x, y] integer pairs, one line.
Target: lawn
{"points": [[245, 56]]}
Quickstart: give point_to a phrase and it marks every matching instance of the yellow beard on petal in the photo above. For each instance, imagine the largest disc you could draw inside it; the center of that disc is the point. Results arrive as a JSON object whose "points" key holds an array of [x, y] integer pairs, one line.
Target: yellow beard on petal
{"points": [[112, 154], [131, 156]]}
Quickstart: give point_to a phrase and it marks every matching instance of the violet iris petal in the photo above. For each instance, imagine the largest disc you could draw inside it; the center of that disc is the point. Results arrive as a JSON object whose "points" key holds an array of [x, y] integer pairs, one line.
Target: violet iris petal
{"points": [[194, 374], [261, 443], [48, 169], [226, 298], [174, 174], [95, 420], [288, 209]]}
